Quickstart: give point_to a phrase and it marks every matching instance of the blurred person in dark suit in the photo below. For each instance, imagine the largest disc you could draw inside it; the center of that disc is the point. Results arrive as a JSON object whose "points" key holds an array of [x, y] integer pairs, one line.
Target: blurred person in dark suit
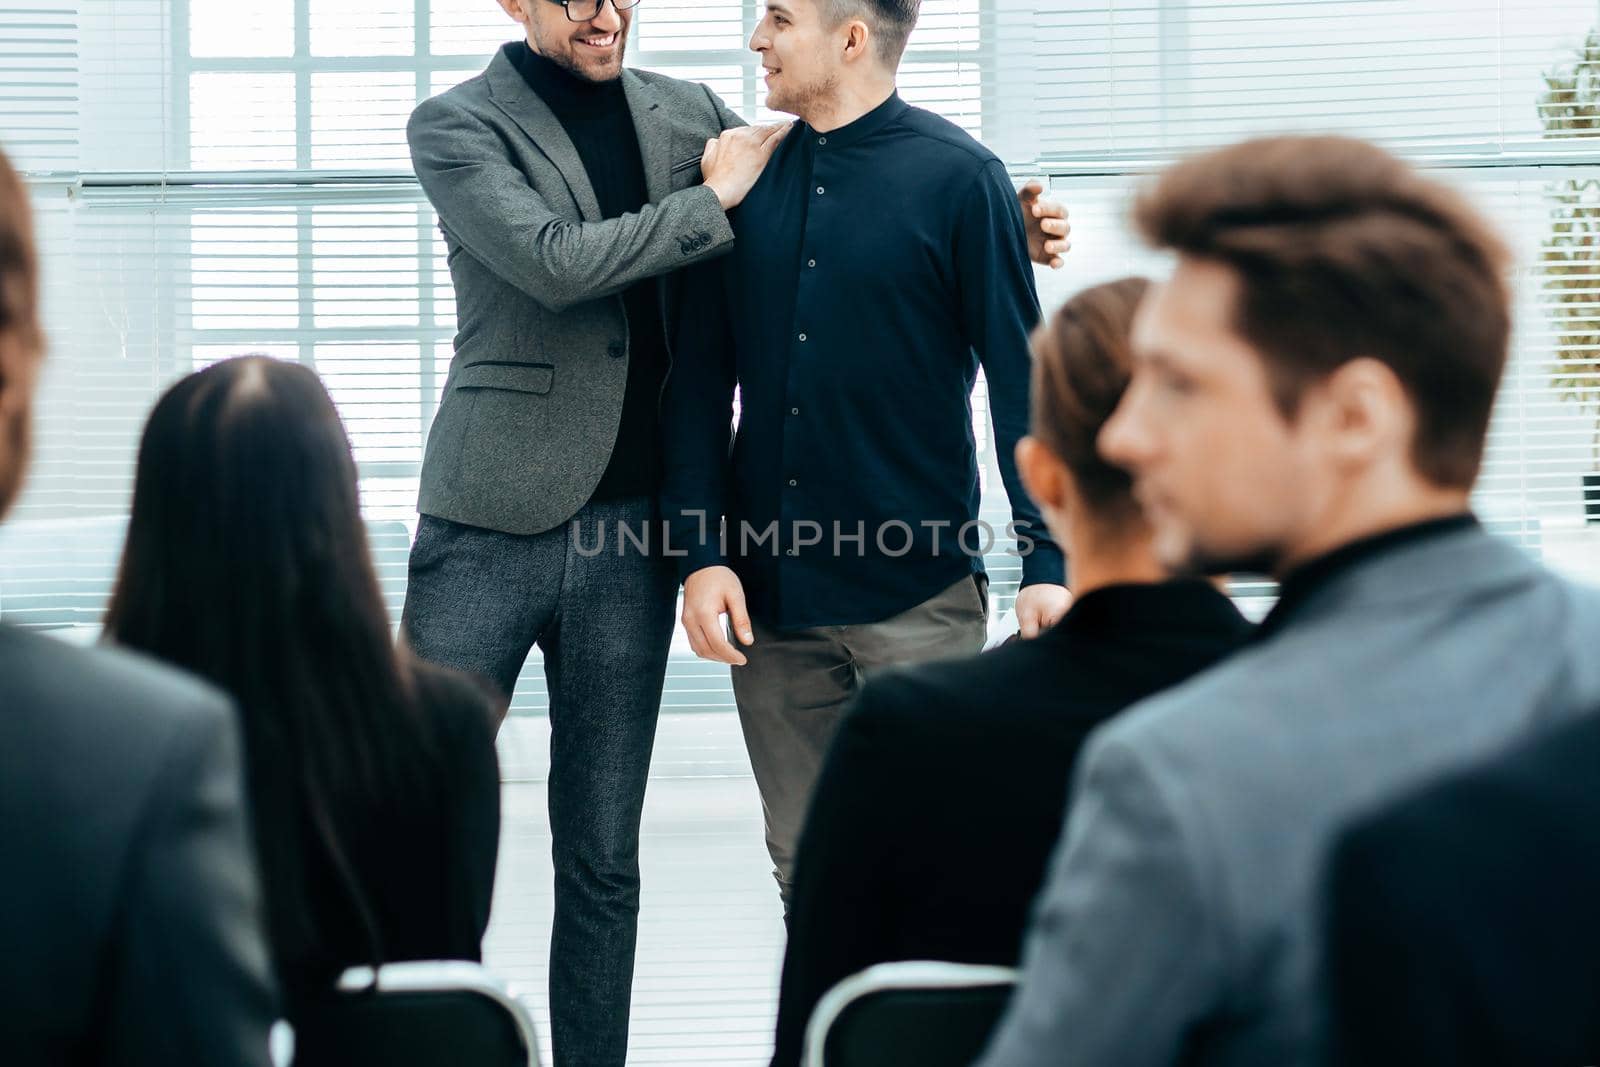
{"points": [[1464, 922], [1310, 399], [945, 788], [374, 788], [130, 920]]}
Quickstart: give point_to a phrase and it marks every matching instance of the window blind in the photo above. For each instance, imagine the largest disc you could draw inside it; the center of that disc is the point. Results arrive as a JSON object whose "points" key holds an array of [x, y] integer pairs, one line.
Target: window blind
{"points": [[215, 179]]}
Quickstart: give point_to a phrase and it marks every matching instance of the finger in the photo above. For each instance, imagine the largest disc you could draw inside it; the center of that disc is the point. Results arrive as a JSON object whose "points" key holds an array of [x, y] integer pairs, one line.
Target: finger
{"points": [[691, 629], [1058, 226], [1055, 248], [735, 657], [1057, 263], [1028, 623], [709, 153], [707, 648], [717, 642], [1031, 190], [739, 619]]}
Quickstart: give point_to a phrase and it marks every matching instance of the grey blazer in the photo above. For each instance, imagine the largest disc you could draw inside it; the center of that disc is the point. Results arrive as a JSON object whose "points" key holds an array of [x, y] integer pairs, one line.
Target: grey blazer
{"points": [[534, 394], [1179, 923], [130, 917]]}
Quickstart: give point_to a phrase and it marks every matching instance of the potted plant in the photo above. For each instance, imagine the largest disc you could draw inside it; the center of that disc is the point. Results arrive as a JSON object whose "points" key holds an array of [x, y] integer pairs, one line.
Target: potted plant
{"points": [[1570, 257]]}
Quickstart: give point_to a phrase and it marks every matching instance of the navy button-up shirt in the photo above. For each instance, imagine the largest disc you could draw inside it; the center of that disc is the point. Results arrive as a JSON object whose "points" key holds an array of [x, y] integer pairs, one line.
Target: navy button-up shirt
{"points": [[876, 266]]}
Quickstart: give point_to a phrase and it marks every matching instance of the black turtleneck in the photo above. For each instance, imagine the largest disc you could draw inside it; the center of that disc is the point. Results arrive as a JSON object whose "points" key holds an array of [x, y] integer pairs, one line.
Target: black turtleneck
{"points": [[596, 118]]}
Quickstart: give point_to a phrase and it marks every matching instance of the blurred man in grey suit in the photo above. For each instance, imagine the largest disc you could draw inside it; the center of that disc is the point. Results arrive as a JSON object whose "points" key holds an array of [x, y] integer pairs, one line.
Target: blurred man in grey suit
{"points": [[570, 190], [129, 910], [1311, 395]]}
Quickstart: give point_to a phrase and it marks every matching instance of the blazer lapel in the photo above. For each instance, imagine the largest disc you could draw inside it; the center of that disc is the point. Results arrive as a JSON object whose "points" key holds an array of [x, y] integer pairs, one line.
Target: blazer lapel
{"points": [[534, 117], [655, 136]]}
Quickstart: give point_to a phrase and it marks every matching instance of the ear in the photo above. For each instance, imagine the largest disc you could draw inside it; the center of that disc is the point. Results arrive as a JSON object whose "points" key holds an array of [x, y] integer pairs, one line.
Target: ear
{"points": [[1364, 412], [1043, 475], [515, 10], [857, 40]]}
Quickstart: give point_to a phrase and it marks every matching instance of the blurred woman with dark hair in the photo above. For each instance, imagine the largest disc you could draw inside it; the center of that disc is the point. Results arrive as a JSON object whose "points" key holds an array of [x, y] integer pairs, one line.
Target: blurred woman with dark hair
{"points": [[946, 786], [372, 777]]}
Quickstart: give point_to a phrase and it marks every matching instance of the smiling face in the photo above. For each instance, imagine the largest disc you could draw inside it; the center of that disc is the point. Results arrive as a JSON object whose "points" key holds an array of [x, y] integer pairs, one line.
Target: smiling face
{"points": [[1226, 480], [802, 55], [592, 50]]}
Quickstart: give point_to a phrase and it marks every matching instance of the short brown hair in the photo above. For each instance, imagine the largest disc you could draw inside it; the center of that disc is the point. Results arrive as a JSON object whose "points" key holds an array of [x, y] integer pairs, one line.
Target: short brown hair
{"points": [[1343, 251], [19, 261], [891, 21], [1081, 369]]}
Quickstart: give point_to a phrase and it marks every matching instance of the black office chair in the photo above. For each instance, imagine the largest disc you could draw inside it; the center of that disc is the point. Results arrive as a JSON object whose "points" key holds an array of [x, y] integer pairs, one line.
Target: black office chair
{"points": [[912, 1013], [425, 1014]]}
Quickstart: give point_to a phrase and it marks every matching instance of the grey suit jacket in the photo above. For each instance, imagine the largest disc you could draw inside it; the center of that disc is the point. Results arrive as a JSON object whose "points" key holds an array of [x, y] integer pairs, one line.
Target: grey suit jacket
{"points": [[1180, 921], [534, 394], [130, 919]]}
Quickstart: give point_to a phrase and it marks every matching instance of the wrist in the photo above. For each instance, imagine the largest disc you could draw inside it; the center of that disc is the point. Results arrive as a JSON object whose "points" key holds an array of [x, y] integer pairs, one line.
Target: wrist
{"points": [[723, 196]]}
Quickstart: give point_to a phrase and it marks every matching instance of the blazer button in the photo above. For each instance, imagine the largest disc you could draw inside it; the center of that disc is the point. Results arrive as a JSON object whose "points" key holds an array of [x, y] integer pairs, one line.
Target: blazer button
{"points": [[705, 238], [616, 350]]}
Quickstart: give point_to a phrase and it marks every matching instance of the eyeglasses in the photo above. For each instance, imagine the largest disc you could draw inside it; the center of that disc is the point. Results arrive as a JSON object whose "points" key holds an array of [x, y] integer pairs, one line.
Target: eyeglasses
{"points": [[586, 10]]}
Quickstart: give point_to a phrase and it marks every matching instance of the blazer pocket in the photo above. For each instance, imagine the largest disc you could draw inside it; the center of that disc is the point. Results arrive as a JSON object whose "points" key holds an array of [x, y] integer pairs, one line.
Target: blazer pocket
{"points": [[515, 377], [687, 164]]}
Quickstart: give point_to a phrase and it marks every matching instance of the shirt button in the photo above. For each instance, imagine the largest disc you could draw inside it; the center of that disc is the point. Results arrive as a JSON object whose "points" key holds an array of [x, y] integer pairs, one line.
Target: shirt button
{"points": [[802, 337], [811, 263], [794, 552], [822, 140], [793, 483], [794, 411], [819, 190]]}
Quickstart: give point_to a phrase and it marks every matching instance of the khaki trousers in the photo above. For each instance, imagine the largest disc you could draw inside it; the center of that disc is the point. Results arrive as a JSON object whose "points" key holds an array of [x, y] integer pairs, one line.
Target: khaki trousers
{"points": [[798, 683]]}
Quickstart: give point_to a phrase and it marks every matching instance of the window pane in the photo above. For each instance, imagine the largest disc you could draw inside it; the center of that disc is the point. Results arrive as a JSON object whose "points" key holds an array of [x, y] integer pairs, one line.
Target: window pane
{"points": [[374, 28], [675, 25], [244, 270], [262, 28], [241, 121], [470, 28], [364, 266], [376, 387], [359, 120]]}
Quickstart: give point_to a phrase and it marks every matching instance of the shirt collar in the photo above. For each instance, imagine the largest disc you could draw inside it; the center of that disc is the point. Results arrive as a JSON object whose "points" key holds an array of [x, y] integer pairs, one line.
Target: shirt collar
{"points": [[1149, 607], [858, 129], [1317, 574]]}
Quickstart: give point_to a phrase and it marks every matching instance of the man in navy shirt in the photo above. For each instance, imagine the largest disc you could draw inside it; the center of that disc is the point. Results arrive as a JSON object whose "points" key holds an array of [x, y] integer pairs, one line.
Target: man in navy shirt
{"points": [[881, 259]]}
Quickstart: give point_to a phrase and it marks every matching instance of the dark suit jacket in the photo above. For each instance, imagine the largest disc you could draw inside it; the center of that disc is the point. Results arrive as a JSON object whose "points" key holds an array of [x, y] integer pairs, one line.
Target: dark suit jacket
{"points": [[945, 789], [1464, 923], [426, 862], [129, 910]]}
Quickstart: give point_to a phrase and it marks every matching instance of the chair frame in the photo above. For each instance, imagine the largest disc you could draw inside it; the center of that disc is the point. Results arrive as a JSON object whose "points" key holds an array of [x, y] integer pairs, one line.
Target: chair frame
{"points": [[892, 977], [445, 976]]}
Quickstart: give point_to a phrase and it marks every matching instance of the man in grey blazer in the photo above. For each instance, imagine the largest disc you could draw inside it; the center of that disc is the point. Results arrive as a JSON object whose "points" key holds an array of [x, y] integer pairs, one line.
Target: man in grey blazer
{"points": [[570, 189], [130, 917], [544, 448], [1311, 396]]}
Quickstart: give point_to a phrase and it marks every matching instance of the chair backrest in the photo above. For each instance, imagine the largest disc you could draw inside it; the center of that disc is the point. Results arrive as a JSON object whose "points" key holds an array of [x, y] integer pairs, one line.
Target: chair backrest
{"points": [[419, 1014], [915, 1012]]}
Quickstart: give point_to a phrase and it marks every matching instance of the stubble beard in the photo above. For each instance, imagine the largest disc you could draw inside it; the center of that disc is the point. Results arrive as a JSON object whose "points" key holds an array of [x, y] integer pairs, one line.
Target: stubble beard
{"points": [[565, 56], [804, 99]]}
